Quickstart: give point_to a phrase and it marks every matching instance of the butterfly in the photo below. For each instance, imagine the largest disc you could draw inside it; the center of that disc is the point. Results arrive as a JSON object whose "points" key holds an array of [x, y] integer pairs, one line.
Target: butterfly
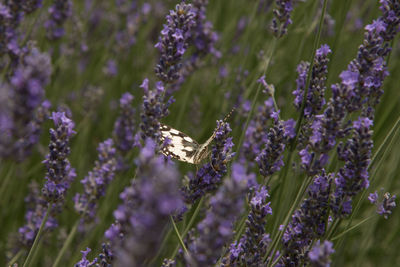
{"points": [[182, 147]]}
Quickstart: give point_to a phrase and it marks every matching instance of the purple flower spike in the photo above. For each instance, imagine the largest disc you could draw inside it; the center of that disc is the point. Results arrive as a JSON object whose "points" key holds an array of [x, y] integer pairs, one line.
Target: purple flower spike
{"points": [[153, 109], [282, 19], [173, 42], [29, 6], [308, 222], [23, 109], [360, 89], [270, 160], [96, 182], [216, 230], [315, 96], [147, 204], [59, 12], [257, 132], [36, 210], [319, 255], [353, 176], [209, 176], [124, 127], [251, 248], [59, 174]]}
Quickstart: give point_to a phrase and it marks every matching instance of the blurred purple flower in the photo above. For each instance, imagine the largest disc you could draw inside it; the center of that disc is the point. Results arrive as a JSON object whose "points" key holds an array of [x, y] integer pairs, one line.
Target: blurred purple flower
{"points": [[59, 12], [23, 110], [124, 127], [96, 182], [319, 255], [111, 68], [216, 229], [209, 176], [281, 20], [257, 131], [30, 6], [147, 204]]}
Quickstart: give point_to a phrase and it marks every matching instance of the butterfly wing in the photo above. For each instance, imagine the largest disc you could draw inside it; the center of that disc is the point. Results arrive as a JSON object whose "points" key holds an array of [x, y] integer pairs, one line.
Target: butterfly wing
{"points": [[180, 146]]}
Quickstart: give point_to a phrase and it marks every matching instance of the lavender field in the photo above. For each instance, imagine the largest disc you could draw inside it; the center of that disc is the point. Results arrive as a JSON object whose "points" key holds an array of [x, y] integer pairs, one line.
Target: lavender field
{"points": [[199, 133]]}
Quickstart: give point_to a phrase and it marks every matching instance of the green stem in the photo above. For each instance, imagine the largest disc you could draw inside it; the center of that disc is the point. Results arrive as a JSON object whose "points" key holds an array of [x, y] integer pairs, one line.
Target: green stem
{"points": [[66, 244], [189, 226], [178, 235], [353, 227], [37, 238], [15, 258], [4, 185]]}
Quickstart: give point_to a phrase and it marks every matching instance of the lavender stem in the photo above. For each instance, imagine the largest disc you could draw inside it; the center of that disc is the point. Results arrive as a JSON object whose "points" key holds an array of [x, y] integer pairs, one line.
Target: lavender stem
{"points": [[37, 238], [67, 242]]}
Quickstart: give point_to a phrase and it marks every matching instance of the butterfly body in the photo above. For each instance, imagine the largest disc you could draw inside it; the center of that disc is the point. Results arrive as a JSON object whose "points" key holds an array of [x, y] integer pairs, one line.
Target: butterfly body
{"points": [[182, 147]]}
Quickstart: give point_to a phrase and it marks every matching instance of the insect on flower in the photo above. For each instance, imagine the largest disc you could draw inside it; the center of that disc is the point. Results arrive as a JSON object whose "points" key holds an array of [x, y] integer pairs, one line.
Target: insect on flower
{"points": [[180, 146]]}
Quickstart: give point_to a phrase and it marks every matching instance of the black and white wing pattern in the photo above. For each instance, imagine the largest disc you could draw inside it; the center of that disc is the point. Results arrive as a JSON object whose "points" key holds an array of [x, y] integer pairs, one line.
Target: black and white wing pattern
{"points": [[182, 147]]}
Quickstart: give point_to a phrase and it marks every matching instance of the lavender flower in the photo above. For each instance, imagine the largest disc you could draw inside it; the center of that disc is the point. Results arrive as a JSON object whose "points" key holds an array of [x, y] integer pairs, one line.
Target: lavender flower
{"points": [[96, 182], [257, 131], [308, 222], [130, 19], [153, 109], [146, 207], [315, 96], [59, 12], [84, 262], [319, 254], [360, 88], [173, 42], [168, 263], [36, 210], [6, 30], [30, 6], [270, 159], [216, 229], [202, 38], [124, 127], [385, 206], [209, 176], [353, 176], [281, 19], [59, 174], [251, 248], [22, 115]]}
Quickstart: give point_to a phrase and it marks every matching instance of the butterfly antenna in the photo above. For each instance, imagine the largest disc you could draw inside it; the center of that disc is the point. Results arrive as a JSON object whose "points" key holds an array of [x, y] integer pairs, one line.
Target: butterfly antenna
{"points": [[229, 114]]}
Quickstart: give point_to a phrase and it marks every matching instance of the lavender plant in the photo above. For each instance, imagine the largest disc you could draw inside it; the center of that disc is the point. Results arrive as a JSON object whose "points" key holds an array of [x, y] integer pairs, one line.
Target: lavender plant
{"points": [[175, 209]]}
